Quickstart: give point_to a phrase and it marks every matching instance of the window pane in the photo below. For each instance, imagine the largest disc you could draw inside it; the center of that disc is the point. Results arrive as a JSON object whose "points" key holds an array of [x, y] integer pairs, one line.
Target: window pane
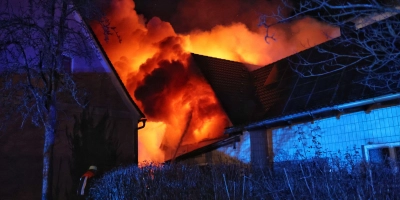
{"points": [[378, 155]]}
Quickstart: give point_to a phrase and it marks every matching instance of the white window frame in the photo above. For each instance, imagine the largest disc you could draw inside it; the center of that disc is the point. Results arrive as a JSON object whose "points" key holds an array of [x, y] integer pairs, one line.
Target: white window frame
{"points": [[378, 146]]}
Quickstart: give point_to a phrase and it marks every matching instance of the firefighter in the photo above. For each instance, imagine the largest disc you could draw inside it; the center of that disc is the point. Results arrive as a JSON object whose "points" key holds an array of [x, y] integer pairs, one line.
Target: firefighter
{"points": [[83, 187]]}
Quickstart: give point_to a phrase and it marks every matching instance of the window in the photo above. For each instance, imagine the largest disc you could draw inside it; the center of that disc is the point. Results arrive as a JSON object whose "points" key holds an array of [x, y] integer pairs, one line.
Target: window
{"points": [[387, 154]]}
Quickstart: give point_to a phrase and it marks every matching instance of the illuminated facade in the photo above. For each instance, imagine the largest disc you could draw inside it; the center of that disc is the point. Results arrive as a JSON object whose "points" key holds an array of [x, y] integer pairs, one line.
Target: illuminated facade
{"points": [[278, 115]]}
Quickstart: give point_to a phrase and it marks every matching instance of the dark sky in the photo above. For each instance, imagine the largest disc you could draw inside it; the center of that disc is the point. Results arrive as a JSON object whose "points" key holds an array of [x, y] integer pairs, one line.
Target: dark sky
{"points": [[188, 15], [161, 8]]}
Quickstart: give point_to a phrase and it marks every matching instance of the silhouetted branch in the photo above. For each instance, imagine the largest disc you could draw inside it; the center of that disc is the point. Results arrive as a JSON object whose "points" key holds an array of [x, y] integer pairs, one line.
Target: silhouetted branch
{"points": [[369, 40], [35, 36]]}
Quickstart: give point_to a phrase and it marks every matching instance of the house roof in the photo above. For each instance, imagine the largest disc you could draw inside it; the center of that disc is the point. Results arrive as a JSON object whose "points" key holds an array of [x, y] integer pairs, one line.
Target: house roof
{"points": [[232, 84], [205, 146], [116, 80], [280, 90], [291, 93], [280, 95], [334, 12]]}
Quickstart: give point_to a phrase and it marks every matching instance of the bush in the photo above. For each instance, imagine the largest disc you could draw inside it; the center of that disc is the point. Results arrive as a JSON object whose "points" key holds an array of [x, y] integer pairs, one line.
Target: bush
{"points": [[301, 180]]}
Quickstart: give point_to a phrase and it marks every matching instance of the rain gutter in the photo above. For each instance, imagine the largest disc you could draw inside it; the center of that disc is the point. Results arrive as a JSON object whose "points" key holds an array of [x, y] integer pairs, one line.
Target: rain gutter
{"points": [[143, 121], [295, 116]]}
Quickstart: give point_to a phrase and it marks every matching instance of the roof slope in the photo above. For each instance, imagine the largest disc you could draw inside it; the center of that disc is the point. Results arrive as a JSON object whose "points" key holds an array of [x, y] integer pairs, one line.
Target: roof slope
{"points": [[233, 86], [116, 80], [292, 93], [279, 89]]}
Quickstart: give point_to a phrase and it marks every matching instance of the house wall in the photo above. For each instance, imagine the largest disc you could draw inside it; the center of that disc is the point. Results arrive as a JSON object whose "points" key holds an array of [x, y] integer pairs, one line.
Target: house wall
{"points": [[82, 65], [240, 151], [341, 137], [21, 155], [233, 152], [21, 148], [259, 148], [333, 137], [252, 149]]}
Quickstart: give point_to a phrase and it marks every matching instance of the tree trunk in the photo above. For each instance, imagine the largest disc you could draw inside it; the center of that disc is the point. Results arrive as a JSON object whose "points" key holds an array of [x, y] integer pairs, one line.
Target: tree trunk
{"points": [[49, 136]]}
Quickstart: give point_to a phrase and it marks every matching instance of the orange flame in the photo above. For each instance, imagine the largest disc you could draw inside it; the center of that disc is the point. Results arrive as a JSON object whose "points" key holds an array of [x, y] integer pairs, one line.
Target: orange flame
{"points": [[155, 66]]}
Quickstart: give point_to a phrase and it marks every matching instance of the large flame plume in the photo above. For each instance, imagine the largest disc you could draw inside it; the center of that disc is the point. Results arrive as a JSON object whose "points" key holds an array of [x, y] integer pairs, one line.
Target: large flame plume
{"points": [[155, 65]]}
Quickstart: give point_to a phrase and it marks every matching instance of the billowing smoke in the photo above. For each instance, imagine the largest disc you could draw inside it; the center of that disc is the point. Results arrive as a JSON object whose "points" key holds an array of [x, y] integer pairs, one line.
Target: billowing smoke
{"points": [[155, 65], [168, 79]]}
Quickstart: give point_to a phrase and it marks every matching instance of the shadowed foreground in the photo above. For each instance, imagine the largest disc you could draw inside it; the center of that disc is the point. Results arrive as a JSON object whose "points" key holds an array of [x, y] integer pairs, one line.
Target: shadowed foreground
{"points": [[301, 180]]}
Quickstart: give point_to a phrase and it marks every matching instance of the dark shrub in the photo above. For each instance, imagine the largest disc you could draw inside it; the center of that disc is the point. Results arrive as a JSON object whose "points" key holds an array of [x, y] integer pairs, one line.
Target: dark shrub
{"points": [[313, 179]]}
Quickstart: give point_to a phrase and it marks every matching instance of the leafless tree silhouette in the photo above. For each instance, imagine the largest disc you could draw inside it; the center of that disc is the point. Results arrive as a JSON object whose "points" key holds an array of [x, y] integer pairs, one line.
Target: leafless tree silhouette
{"points": [[37, 39], [369, 41]]}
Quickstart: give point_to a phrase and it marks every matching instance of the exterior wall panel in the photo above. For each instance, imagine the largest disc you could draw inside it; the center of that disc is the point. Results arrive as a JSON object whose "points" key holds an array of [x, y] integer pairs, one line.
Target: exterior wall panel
{"points": [[240, 151], [337, 136]]}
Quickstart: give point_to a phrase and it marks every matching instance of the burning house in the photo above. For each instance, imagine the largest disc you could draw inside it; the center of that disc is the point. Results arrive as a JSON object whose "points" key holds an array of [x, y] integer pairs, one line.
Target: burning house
{"points": [[278, 115], [156, 65], [247, 108], [210, 94]]}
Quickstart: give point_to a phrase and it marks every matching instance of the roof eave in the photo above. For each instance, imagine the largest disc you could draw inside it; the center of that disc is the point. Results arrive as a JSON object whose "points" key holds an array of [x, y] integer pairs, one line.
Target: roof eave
{"points": [[299, 115], [133, 107]]}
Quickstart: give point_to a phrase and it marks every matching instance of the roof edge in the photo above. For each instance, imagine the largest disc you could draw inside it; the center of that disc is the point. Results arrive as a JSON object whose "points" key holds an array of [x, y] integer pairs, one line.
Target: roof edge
{"points": [[110, 65], [264, 123], [204, 149]]}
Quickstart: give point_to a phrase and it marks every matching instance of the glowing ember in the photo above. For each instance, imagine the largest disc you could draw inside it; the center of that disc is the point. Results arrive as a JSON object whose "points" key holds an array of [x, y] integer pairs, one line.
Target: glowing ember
{"points": [[155, 66]]}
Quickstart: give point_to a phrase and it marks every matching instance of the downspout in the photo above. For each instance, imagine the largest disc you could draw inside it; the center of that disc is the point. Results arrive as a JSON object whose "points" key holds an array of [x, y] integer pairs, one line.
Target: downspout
{"points": [[143, 120], [340, 107], [136, 139]]}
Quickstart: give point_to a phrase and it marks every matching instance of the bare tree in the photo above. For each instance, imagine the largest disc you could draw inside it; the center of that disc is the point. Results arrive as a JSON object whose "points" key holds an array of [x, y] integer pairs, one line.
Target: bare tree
{"points": [[369, 41], [37, 37]]}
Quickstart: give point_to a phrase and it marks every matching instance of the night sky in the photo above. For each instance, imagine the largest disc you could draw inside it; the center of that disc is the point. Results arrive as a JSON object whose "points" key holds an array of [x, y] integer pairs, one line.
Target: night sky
{"points": [[188, 15], [161, 8]]}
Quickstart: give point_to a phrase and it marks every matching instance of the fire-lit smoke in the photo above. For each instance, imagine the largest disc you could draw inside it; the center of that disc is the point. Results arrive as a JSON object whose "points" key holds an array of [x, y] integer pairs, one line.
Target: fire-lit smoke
{"points": [[236, 42], [155, 65]]}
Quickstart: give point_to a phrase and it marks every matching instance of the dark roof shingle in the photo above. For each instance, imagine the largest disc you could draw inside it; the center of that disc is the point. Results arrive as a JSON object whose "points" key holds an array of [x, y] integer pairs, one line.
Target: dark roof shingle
{"points": [[276, 90], [233, 86]]}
